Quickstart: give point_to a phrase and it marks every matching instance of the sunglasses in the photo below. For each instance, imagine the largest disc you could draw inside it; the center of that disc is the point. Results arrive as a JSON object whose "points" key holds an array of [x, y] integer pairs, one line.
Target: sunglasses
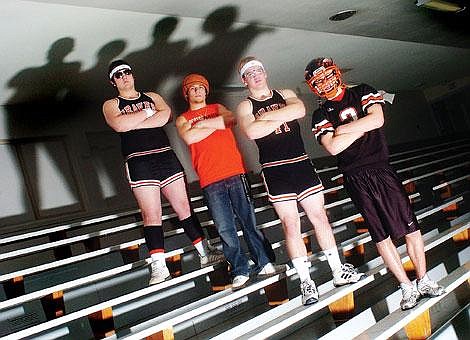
{"points": [[253, 72], [120, 74]]}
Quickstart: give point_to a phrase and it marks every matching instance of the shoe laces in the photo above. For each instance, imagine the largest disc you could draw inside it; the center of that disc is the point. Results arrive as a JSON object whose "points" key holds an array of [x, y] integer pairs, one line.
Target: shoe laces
{"points": [[348, 268], [428, 284], [308, 288]]}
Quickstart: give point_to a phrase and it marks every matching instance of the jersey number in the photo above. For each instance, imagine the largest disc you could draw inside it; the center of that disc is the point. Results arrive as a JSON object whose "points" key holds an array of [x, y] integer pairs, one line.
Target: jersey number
{"points": [[348, 114], [279, 130]]}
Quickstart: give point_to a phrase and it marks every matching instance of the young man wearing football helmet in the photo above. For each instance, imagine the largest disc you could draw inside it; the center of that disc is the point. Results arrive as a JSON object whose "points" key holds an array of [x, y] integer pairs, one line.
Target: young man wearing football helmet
{"points": [[349, 125], [269, 117]]}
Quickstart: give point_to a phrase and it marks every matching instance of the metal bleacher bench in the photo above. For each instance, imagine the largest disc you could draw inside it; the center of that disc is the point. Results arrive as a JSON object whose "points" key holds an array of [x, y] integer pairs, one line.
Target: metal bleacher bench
{"points": [[67, 241], [284, 316], [116, 271], [397, 320], [396, 154], [276, 319], [227, 295], [121, 269]]}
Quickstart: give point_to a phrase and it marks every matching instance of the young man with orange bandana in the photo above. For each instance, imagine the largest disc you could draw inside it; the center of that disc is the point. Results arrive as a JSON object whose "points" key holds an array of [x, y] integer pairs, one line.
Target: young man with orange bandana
{"points": [[206, 129]]}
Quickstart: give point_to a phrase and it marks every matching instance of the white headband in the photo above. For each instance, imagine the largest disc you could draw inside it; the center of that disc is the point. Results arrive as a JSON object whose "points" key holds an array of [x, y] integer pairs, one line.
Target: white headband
{"points": [[118, 68], [250, 64]]}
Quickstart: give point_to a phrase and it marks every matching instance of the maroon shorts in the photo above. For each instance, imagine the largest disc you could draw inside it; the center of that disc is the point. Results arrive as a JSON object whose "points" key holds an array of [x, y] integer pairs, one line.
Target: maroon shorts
{"points": [[383, 203]]}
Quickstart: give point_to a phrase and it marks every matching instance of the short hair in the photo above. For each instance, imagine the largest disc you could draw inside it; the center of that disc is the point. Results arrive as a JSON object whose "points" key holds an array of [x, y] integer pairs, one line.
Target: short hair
{"points": [[245, 61]]}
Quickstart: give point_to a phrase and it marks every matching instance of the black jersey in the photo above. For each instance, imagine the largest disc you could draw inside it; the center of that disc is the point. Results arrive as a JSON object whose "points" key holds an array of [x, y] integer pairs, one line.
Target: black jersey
{"points": [[140, 139], [369, 151], [285, 143]]}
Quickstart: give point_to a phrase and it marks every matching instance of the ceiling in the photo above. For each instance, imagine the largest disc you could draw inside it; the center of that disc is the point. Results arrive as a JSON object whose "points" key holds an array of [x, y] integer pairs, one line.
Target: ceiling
{"points": [[392, 19], [391, 44]]}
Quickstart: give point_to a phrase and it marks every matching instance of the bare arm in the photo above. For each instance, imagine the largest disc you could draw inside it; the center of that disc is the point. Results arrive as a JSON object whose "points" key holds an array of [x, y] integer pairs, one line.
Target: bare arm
{"points": [[119, 122], [191, 134], [294, 109], [254, 128], [335, 144], [373, 120], [224, 120], [162, 115]]}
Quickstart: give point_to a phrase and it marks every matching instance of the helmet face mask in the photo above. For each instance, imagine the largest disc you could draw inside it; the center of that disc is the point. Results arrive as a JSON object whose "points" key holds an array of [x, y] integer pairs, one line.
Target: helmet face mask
{"points": [[323, 77]]}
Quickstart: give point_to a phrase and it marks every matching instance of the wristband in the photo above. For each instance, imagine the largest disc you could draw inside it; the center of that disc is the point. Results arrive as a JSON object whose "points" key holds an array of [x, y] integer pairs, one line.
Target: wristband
{"points": [[149, 112]]}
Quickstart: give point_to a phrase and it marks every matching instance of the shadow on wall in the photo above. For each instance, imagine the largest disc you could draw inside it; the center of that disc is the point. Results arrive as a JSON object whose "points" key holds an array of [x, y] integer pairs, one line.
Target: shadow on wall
{"points": [[220, 56], [51, 98]]}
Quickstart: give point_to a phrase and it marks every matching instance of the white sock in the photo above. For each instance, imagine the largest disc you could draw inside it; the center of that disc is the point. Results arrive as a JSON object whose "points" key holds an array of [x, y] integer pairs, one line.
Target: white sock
{"points": [[333, 258], [159, 258], [300, 264], [202, 248]]}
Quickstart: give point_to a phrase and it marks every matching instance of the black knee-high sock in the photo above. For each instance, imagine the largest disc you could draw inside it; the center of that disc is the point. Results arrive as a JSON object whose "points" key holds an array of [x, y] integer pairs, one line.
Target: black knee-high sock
{"points": [[154, 238], [193, 228]]}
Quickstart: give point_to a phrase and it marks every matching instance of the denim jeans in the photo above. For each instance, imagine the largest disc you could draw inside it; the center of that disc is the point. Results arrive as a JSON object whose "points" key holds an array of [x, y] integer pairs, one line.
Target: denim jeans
{"points": [[228, 201]]}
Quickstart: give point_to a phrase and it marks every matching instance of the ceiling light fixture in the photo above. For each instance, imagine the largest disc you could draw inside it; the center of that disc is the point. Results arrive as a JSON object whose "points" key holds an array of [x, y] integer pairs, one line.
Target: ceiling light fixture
{"points": [[343, 15], [440, 5]]}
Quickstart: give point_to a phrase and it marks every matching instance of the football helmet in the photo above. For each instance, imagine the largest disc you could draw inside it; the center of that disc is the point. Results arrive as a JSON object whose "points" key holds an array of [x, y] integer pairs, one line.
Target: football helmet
{"points": [[323, 77]]}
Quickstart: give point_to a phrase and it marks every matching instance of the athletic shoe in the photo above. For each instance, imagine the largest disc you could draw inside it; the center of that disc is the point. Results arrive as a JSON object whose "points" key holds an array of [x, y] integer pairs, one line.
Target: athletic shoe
{"points": [[271, 269], [430, 288], [410, 296], [239, 281], [309, 292], [214, 256], [158, 273], [347, 274]]}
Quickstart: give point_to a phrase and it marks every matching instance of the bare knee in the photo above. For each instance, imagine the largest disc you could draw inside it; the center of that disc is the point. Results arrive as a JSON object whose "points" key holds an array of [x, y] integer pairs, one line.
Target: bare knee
{"points": [[291, 226], [151, 217], [319, 219], [181, 208], [415, 235]]}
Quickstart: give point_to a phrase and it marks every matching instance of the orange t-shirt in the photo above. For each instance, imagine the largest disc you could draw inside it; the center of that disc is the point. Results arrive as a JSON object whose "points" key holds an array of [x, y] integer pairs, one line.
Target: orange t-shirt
{"points": [[216, 157]]}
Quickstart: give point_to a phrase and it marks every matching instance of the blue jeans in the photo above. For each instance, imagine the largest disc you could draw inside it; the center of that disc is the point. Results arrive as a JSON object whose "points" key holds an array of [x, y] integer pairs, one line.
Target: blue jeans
{"points": [[228, 200]]}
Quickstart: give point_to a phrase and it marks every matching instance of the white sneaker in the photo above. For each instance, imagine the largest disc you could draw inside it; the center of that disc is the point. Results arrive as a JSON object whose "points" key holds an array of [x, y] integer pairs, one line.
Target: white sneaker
{"points": [[347, 274], [410, 296], [239, 281], [214, 256], [158, 273], [309, 292], [271, 269], [429, 288]]}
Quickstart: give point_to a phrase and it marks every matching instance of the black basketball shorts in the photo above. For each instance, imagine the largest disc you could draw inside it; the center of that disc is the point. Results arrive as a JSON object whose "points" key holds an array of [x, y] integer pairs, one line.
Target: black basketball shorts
{"points": [[383, 203], [291, 181], [158, 167]]}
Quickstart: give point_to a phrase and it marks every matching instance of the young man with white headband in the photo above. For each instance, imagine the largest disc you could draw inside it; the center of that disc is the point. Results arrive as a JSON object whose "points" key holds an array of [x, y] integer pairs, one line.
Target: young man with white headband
{"points": [[152, 167], [270, 118], [206, 128]]}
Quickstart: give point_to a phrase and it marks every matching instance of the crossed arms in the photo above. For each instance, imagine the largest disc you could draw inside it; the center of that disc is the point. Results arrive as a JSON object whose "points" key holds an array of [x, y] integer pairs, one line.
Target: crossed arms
{"points": [[346, 134], [204, 128], [269, 121], [139, 119]]}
